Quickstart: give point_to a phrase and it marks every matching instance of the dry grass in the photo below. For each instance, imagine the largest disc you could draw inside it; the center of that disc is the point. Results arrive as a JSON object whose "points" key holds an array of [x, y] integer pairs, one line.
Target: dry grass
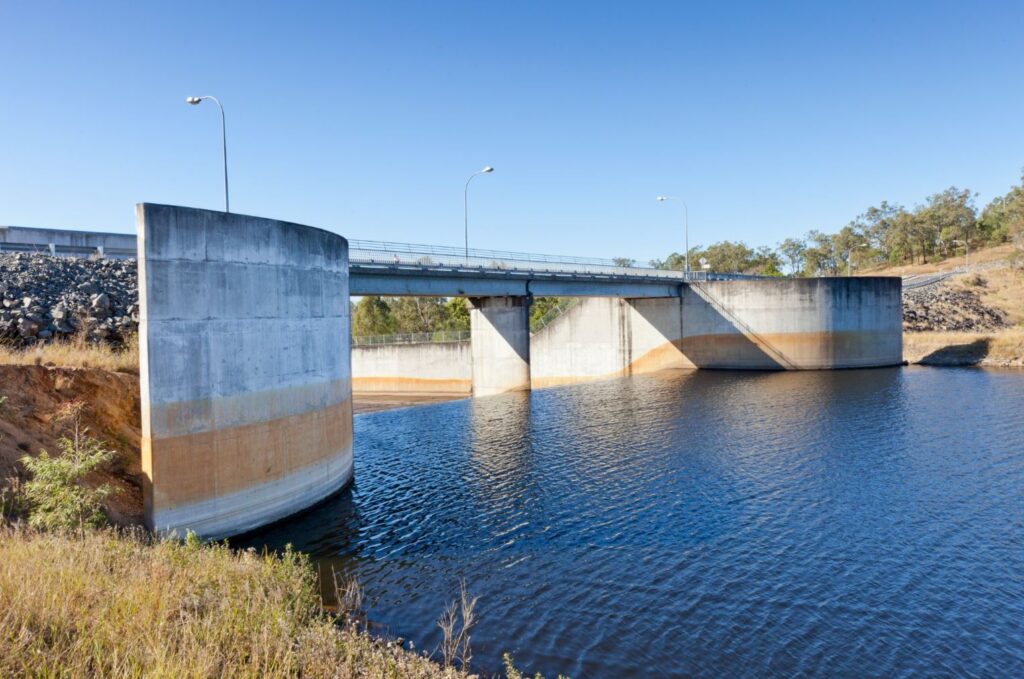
{"points": [[991, 254], [997, 349], [116, 605], [76, 353], [1001, 289]]}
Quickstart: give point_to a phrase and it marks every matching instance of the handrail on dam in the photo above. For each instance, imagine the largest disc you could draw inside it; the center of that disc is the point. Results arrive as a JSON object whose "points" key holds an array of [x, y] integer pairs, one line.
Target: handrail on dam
{"points": [[410, 256], [379, 257]]}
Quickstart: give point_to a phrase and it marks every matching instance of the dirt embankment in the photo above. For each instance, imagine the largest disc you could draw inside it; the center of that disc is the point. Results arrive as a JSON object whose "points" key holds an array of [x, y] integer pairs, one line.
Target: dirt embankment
{"points": [[30, 422]]}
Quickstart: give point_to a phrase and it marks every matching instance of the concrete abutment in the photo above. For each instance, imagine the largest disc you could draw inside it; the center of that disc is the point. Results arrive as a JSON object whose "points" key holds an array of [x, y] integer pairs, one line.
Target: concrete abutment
{"points": [[245, 368]]}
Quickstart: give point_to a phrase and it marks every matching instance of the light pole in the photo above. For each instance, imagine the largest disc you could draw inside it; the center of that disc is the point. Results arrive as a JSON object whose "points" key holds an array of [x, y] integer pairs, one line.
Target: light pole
{"points": [[465, 204], [686, 228], [849, 258], [224, 138]]}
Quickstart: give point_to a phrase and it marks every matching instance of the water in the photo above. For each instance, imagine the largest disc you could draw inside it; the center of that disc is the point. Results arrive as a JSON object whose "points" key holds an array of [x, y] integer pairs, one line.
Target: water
{"points": [[852, 523]]}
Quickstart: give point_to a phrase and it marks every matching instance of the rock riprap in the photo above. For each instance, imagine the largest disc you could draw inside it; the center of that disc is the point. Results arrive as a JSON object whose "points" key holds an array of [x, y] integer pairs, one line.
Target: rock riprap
{"points": [[44, 298], [945, 307]]}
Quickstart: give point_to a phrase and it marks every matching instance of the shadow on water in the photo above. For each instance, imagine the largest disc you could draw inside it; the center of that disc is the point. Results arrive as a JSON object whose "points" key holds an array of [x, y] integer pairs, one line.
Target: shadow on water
{"points": [[968, 354]]}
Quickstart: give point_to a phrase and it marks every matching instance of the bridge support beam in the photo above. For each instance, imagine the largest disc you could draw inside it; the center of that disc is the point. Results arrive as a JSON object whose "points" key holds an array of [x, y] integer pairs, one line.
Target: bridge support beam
{"points": [[500, 336]]}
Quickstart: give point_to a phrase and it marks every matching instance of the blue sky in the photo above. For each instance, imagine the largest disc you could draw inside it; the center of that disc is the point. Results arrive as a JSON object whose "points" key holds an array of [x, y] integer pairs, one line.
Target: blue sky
{"points": [[366, 118]]}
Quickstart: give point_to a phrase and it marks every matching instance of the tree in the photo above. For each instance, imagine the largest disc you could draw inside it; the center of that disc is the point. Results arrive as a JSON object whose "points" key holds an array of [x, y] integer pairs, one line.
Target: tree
{"points": [[792, 252], [624, 262], [1003, 218], [456, 316], [58, 497], [729, 257], [820, 256], [946, 217], [372, 316], [541, 307], [418, 314], [766, 262], [674, 262]]}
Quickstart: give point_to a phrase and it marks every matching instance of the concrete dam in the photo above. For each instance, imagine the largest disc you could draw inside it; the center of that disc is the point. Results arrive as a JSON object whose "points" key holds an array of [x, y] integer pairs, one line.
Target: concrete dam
{"points": [[247, 368]]}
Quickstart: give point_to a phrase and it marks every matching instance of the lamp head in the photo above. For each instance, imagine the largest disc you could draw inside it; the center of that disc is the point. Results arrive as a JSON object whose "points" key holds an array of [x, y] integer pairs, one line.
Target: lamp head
{"points": [[487, 170], [662, 199], [193, 100]]}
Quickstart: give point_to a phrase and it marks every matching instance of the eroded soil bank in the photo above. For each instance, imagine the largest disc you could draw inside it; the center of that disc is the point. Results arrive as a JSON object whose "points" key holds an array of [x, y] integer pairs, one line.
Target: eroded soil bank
{"points": [[30, 421]]}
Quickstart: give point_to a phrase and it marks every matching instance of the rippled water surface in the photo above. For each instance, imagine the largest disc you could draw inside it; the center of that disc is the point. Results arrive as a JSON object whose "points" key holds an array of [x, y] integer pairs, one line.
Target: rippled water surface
{"points": [[852, 523]]}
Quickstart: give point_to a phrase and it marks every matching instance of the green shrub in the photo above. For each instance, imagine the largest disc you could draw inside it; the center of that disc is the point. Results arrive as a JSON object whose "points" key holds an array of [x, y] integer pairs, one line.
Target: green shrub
{"points": [[57, 495]]}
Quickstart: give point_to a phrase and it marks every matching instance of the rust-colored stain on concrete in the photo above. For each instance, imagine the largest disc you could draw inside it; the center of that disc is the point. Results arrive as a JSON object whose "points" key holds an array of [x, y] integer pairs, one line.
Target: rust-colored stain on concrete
{"points": [[390, 384], [201, 466], [790, 351], [175, 419], [665, 356], [776, 351]]}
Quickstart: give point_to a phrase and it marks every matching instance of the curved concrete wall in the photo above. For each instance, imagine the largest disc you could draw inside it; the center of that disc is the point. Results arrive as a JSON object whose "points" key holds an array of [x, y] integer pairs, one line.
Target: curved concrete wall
{"points": [[424, 368], [245, 372], [793, 323]]}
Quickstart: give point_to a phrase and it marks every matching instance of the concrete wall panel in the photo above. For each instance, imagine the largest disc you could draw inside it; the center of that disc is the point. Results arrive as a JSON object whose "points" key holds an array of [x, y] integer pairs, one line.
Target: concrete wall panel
{"points": [[794, 324], [588, 342], [427, 367], [601, 337], [245, 372]]}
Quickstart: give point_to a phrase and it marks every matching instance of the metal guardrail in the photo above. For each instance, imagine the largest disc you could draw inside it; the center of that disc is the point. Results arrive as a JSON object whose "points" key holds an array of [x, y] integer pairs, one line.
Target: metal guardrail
{"points": [[400, 256], [371, 254], [437, 337]]}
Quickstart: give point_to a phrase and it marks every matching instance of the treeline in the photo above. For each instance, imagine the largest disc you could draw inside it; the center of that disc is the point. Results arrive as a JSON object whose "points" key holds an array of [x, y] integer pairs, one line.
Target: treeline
{"points": [[883, 234], [374, 315], [942, 227]]}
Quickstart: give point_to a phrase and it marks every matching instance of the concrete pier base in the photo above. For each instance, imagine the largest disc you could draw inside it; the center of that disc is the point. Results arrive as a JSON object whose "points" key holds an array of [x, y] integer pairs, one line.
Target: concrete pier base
{"points": [[244, 368], [500, 336]]}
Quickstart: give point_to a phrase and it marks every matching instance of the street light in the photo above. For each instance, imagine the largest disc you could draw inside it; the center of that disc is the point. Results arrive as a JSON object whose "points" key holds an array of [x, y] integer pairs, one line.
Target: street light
{"points": [[224, 137], [465, 204], [686, 212], [849, 258]]}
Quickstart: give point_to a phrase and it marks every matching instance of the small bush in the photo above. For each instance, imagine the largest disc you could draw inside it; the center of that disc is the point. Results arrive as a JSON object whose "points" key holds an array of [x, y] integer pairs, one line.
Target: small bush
{"points": [[57, 495]]}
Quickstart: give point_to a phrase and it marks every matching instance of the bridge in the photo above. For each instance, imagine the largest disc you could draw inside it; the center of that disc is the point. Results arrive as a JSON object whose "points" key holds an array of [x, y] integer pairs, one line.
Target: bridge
{"points": [[383, 268], [247, 368], [395, 269]]}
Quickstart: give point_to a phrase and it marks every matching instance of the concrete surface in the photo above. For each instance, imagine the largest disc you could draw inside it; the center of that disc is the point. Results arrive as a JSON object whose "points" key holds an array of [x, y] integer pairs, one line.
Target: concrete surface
{"points": [[601, 338], [245, 373], [793, 323], [442, 367], [500, 338]]}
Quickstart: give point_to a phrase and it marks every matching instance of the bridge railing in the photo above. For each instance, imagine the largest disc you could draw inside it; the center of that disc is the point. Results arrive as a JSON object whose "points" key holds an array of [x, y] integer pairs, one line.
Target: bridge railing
{"points": [[409, 255], [437, 337]]}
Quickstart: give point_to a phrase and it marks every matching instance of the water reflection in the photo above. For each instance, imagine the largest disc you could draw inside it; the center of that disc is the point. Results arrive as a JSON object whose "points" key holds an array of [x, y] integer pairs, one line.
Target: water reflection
{"points": [[700, 523]]}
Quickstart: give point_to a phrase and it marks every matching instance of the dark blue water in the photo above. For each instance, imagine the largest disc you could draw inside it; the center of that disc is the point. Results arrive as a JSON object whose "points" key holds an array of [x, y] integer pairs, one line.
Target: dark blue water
{"points": [[853, 523]]}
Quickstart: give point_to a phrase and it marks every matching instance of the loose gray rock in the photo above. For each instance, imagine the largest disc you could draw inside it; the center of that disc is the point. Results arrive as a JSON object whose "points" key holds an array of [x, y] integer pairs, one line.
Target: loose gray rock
{"points": [[46, 298]]}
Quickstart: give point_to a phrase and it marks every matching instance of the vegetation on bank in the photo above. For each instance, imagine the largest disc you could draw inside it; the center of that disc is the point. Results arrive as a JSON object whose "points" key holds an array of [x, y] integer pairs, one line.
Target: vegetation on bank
{"points": [[886, 234], [79, 598], [103, 603], [76, 352]]}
